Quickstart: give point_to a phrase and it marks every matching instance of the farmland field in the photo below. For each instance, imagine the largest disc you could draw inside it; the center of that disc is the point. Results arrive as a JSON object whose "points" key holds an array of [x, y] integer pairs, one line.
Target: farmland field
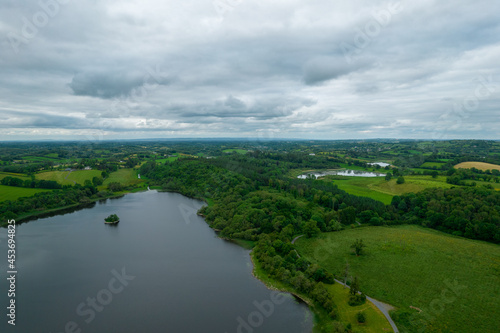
{"points": [[123, 176], [13, 193], [477, 165], [16, 175], [239, 151], [453, 280], [379, 189], [432, 165], [375, 320], [69, 177]]}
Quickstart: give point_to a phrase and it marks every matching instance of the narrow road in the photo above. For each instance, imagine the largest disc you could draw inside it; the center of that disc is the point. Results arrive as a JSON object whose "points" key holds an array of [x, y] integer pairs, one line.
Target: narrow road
{"points": [[293, 242], [384, 308]]}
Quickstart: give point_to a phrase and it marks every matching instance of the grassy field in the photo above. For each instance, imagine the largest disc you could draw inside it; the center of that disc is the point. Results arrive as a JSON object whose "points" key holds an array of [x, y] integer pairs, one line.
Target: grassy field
{"points": [[454, 281], [477, 165], [375, 320], [123, 176], [379, 189], [69, 178], [432, 165], [38, 158], [239, 151], [13, 193], [16, 175], [362, 186]]}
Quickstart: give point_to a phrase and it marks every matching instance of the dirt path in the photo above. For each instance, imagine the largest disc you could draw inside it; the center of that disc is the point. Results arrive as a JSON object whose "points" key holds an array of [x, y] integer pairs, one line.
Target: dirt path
{"points": [[383, 307], [293, 242]]}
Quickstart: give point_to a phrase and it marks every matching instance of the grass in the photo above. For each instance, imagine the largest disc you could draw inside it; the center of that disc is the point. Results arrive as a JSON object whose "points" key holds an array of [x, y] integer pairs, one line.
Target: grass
{"points": [[477, 165], [432, 165], [16, 175], [412, 184], [379, 189], [13, 193], [69, 177], [454, 281], [172, 158], [362, 186], [124, 177], [375, 320], [38, 158], [239, 151]]}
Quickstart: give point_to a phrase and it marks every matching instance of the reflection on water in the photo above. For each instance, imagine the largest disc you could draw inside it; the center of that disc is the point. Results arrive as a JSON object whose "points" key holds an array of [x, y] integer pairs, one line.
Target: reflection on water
{"points": [[158, 270], [348, 173]]}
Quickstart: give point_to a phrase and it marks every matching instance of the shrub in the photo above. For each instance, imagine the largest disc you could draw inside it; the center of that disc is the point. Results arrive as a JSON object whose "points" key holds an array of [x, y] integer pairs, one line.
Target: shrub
{"points": [[360, 317], [356, 300], [333, 314]]}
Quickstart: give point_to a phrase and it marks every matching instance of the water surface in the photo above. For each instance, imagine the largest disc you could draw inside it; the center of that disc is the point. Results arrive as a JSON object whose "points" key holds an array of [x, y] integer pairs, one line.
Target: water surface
{"points": [[178, 276], [348, 173]]}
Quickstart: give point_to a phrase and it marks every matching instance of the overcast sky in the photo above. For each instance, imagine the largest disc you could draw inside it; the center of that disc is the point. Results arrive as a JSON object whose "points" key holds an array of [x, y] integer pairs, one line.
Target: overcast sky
{"points": [[319, 69]]}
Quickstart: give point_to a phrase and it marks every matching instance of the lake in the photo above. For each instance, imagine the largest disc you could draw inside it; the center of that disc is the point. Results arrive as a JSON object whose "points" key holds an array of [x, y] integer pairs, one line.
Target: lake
{"points": [[348, 173], [161, 269], [382, 164]]}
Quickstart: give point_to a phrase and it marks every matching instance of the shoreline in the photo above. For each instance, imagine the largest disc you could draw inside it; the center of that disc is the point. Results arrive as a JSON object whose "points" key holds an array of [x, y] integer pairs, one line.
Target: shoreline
{"points": [[33, 216], [272, 287]]}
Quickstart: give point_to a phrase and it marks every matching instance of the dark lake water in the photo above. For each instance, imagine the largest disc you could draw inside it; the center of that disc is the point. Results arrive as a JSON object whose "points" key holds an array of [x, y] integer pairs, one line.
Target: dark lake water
{"points": [[161, 269]]}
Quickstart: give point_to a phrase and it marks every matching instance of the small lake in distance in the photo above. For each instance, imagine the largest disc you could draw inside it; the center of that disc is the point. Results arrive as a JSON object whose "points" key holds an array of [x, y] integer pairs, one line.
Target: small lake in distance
{"points": [[161, 269], [348, 173]]}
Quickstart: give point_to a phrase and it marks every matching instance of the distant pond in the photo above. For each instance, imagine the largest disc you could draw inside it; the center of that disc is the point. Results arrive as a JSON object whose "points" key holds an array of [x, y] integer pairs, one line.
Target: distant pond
{"points": [[382, 164], [348, 173]]}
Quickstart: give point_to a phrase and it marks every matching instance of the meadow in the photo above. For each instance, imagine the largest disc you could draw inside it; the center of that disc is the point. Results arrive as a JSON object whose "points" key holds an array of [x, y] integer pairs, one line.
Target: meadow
{"points": [[375, 320], [478, 165], [432, 165], [123, 176], [455, 282], [16, 175], [13, 193], [379, 189], [69, 177], [239, 151]]}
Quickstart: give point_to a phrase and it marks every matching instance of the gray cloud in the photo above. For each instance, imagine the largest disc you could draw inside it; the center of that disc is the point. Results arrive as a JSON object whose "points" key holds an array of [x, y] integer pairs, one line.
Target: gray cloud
{"points": [[183, 69]]}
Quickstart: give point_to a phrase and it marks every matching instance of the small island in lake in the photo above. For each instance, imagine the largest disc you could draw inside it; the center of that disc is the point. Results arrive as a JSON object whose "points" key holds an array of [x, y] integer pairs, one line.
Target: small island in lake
{"points": [[112, 219]]}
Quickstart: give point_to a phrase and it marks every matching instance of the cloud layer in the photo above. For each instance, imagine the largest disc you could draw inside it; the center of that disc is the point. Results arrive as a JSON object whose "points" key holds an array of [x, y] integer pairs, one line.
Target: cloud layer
{"points": [[285, 69]]}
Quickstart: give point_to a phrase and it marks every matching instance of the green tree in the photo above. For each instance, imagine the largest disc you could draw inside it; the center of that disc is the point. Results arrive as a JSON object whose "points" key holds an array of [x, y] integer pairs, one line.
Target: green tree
{"points": [[311, 229], [401, 180], [354, 287], [360, 317], [97, 181], [358, 246], [348, 215]]}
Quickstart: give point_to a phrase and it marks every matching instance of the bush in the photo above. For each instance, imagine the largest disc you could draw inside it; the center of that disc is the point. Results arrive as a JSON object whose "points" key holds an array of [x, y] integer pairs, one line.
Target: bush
{"points": [[401, 180], [360, 317], [356, 300], [115, 187], [333, 314]]}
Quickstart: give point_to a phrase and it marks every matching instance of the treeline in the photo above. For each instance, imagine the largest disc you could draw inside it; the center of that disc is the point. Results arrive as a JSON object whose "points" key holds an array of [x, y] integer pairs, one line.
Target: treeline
{"points": [[280, 260], [49, 200], [30, 183], [254, 197], [469, 212], [459, 176]]}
